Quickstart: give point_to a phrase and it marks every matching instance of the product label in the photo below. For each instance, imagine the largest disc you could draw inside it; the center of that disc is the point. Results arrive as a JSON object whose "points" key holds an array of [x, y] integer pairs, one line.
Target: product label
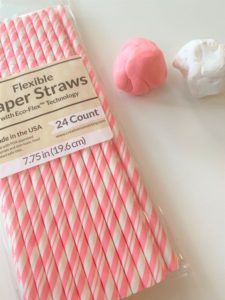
{"points": [[47, 113]]}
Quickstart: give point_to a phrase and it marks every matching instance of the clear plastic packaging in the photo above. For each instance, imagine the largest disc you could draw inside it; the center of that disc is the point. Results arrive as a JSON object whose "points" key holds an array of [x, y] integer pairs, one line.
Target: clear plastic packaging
{"points": [[166, 258]]}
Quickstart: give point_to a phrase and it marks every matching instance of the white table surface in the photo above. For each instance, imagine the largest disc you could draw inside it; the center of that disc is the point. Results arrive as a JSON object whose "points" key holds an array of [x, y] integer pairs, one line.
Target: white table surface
{"points": [[178, 142]]}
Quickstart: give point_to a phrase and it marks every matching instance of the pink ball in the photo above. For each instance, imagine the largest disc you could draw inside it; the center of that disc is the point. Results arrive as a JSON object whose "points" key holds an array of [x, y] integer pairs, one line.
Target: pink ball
{"points": [[139, 67]]}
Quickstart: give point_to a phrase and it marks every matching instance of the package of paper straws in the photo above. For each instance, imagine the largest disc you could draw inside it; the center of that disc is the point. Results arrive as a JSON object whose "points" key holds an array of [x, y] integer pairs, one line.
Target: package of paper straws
{"points": [[76, 215]]}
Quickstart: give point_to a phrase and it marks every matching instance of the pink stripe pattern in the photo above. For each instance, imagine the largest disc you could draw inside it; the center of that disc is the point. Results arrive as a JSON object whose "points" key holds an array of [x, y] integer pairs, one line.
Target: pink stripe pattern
{"points": [[82, 226]]}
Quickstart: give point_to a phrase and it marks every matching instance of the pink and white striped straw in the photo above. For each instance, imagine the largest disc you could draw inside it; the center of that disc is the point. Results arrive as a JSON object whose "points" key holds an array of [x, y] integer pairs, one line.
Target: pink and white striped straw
{"points": [[34, 210], [153, 219], [134, 176], [36, 45], [55, 240], [112, 221], [39, 41], [151, 251], [85, 152], [20, 254], [123, 218], [58, 52], [63, 40], [56, 165], [78, 287], [29, 237], [82, 226], [157, 266], [105, 239], [23, 214], [90, 230]]}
